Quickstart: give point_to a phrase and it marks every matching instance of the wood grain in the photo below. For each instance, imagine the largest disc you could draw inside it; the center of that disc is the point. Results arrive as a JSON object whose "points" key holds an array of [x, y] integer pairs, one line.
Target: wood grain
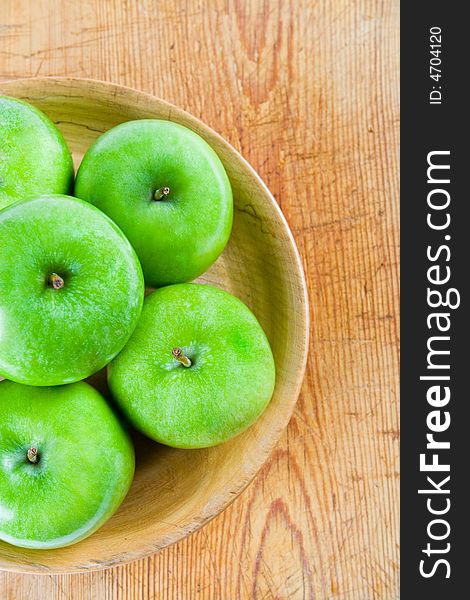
{"points": [[309, 93]]}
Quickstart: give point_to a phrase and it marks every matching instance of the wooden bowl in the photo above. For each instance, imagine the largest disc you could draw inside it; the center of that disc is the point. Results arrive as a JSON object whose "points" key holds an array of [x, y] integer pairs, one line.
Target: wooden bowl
{"points": [[175, 492]]}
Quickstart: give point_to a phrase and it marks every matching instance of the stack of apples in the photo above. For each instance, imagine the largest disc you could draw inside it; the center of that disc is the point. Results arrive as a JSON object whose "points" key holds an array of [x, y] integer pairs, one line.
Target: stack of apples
{"points": [[188, 364]]}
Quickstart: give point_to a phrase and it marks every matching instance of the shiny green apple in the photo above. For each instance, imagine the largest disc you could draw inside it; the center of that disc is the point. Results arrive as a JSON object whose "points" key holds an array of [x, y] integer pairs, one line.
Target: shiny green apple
{"points": [[197, 370], [34, 158], [66, 464], [167, 190], [71, 290]]}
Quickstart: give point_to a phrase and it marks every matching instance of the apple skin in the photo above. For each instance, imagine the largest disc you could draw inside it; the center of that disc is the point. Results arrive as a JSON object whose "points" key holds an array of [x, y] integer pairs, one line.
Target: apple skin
{"points": [[84, 470], [55, 336], [229, 384], [178, 237], [34, 158]]}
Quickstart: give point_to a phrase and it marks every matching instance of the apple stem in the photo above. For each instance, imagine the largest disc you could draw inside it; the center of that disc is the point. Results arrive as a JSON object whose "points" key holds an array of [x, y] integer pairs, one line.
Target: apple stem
{"points": [[33, 455], [161, 193], [180, 357], [56, 281]]}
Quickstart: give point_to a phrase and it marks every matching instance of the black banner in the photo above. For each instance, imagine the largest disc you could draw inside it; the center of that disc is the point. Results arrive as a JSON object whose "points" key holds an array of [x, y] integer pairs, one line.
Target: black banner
{"points": [[435, 255]]}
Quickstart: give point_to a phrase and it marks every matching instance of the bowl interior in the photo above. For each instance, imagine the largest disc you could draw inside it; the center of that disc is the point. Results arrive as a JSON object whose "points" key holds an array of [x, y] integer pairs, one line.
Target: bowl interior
{"points": [[176, 491]]}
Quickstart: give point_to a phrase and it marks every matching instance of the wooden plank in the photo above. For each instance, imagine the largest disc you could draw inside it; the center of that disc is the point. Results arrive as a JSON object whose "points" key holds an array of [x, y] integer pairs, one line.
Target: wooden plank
{"points": [[309, 93]]}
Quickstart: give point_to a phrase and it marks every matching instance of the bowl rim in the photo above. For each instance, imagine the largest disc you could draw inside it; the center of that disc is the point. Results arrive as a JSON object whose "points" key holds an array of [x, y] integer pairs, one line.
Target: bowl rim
{"points": [[229, 495]]}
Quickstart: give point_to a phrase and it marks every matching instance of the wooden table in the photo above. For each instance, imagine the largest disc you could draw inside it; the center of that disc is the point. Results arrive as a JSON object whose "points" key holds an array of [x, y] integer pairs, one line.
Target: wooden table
{"points": [[308, 91]]}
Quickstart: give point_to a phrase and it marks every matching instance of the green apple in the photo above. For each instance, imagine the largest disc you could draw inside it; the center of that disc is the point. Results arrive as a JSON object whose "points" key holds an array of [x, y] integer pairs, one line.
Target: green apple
{"points": [[71, 290], [167, 190], [66, 464], [197, 370], [34, 158]]}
